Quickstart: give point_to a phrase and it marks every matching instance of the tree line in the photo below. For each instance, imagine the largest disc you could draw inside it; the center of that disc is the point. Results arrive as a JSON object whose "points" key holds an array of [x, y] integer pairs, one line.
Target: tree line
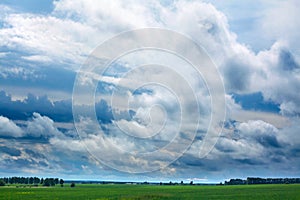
{"points": [[257, 180], [31, 181]]}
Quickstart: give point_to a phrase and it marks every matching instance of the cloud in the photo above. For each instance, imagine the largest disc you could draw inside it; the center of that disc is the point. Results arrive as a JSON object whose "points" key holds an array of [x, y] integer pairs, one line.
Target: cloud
{"points": [[18, 72], [9, 128], [22, 110], [34, 33], [279, 78], [279, 21], [42, 126], [73, 29], [262, 132], [253, 143], [35, 153], [255, 128], [105, 16], [10, 151], [252, 148], [37, 58], [237, 74]]}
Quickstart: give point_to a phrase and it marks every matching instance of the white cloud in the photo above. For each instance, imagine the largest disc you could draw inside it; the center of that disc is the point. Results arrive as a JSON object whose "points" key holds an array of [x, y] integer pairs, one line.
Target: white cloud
{"points": [[69, 144], [47, 36], [280, 21], [240, 149], [278, 77], [69, 33], [73, 29], [37, 58], [39, 126], [9, 128], [22, 72], [42, 126], [256, 128], [3, 54], [105, 16]]}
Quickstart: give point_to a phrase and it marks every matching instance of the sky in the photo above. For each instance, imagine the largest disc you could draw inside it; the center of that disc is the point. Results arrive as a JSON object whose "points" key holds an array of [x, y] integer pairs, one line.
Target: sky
{"points": [[82, 97]]}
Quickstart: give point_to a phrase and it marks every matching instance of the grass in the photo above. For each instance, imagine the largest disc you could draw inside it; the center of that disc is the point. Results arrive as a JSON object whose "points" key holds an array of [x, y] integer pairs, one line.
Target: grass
{"points": [[126, 192]]}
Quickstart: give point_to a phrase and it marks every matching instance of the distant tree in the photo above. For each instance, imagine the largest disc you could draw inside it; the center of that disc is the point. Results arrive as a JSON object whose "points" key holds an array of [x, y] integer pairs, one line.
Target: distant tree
{"points": [[61, 182], [36, 180], [20, 180], [52, 181], [31, 179], [46, 182], [191, 183], [6, 180], [42, 181], [56, 181], [2, 183], [181, 182], [72, 184]]}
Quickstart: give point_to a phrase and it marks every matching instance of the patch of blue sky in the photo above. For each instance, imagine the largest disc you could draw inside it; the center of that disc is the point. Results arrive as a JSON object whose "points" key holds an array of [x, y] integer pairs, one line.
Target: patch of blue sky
{"points": [[243, 18], [255, 101], [30, 6], [48, 78]]}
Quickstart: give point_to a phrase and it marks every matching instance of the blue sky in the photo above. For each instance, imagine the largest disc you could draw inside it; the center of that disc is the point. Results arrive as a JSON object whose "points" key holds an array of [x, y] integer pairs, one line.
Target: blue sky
{"points": [[255, 48]]}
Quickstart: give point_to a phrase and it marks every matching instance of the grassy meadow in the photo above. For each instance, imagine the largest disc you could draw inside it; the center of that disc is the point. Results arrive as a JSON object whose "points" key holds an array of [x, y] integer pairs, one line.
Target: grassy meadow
{"points": [[95, 191]]}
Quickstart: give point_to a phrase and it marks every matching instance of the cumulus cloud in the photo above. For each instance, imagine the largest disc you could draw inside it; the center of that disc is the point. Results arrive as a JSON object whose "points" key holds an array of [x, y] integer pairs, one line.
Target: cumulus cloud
{"points": [[254, 147], [262, 132], [42, 126], [38, 127], [9, 128], [73, 29], [279, 78], [255, 128]]}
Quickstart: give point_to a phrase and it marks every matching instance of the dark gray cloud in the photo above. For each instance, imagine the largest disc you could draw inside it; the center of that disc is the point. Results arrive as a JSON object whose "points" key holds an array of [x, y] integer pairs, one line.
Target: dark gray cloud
{"points": [[22, 110], [237, 75], [191, 161], [59, 111], [268, 141], [287, 61], [10, 151], [34, 154]]}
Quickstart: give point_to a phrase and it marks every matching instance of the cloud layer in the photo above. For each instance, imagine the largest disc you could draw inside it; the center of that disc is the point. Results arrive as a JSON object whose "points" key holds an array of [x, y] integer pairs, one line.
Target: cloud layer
{"points": [[41, 53]]}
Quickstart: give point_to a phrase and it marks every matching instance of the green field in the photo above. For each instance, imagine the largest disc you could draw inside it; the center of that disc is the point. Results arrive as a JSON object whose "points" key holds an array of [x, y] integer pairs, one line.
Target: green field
{"points": [[94, 191]]}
